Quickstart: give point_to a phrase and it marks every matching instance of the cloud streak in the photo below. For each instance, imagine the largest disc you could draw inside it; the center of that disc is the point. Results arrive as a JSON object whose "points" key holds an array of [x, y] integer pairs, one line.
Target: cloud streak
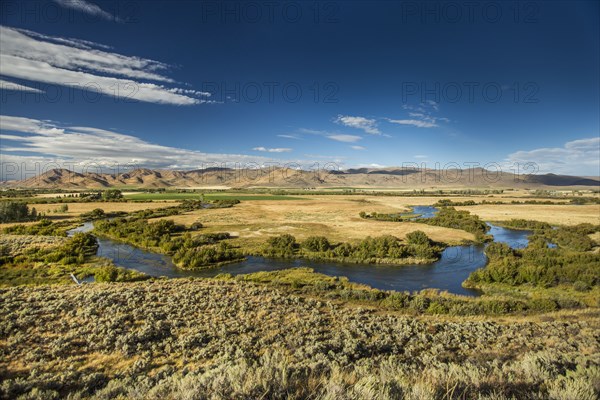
{"points": [[421, 116], [273, 150], [413, 122], [72, 63], [344, 138], [87, 8]]}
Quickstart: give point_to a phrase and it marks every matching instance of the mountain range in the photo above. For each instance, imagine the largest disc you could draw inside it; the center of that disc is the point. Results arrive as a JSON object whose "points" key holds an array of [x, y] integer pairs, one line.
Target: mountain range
{"points": [[285, 177]]}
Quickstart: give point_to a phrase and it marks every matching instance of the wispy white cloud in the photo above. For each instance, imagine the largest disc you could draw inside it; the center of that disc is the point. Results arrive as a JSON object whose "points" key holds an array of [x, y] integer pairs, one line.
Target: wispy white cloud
{"points": [[87, 8], [338, 137], [67, 62], [7, 85], [413, 122], [577, 157], [366, 124], [420, 156], [273, 150], [313, 132], [421, 116], [289, 136], [344, 138], [358, 147], [26, 139]]}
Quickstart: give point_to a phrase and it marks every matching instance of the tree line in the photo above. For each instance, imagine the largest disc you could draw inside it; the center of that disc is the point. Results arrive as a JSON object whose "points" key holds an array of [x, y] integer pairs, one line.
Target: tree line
{"points": [[16, 211]]}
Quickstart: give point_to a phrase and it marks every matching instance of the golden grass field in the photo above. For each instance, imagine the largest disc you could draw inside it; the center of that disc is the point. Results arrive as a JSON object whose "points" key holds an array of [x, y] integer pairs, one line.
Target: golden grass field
{"points": [[335, 217], [553, 214]]}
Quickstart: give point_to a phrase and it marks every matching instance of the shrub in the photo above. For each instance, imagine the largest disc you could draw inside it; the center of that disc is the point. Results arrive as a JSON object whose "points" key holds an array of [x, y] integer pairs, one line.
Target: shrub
{"points": [[107, 274], [96, 213], [418, 238], [196, 226], [437, 308], [316, 243], [281, 246], [112, 194], [581, 286]]}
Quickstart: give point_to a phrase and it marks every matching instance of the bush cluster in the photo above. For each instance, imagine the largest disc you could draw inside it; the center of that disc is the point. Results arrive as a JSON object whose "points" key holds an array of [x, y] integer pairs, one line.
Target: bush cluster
{"points": [[570, 262], [449, 217], [139, 232], [387, 248], [43, 228]]}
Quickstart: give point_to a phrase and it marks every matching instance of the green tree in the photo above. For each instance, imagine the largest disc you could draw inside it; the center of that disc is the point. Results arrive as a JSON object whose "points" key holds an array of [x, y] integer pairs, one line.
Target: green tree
{"points": [[418, 238], [112, 194], [316, 243], [15, 211]]}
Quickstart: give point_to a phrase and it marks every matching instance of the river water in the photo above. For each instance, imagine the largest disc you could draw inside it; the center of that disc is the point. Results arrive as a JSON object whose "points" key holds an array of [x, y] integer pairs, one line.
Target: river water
{"points": [[448, 273]]}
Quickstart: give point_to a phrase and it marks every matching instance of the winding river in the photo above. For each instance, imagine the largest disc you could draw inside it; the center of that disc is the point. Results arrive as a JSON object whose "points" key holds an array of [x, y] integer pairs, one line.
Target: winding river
{"points": [[448, 273]]}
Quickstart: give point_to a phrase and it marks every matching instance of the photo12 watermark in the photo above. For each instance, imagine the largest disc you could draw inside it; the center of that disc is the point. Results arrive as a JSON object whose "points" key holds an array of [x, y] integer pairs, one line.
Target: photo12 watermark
{"points": [[269, 12], [211, 92], [470, 12], [470, 92]]}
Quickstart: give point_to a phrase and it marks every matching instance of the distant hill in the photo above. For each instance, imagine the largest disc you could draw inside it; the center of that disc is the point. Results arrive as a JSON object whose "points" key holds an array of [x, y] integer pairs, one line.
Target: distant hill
{"points": [[282, 177]]}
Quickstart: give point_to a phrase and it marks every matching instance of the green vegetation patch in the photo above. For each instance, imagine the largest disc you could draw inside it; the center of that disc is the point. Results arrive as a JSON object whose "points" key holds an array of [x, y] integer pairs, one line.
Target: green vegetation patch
{"points": [[382, 249], [35, 260], [43, 228], [572, 261], [188, 252]]}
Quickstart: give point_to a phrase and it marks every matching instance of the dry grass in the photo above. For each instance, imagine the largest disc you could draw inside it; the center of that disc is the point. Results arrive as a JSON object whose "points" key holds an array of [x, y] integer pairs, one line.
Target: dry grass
{"points": [[208, 339], [553, 214], [335, 217]]}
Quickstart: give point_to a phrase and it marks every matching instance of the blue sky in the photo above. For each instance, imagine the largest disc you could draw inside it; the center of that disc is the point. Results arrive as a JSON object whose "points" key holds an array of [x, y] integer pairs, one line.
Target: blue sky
{"points": [[181, 84]]}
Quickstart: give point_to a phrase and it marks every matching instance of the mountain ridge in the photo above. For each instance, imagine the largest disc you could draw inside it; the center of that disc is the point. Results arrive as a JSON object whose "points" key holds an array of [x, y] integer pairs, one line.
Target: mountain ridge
{"points": [[390, 177]]}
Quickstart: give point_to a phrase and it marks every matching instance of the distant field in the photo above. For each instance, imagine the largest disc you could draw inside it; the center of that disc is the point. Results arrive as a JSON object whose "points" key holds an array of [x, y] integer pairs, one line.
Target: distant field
{"points": [[552, 214], [211, 196]]}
